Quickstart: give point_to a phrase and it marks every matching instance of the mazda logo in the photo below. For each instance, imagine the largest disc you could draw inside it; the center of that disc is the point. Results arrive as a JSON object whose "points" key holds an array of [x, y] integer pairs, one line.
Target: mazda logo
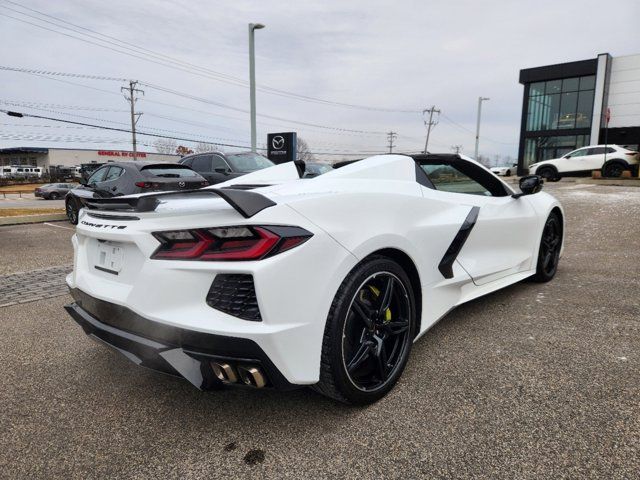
{"points": [[277, 142], [181, 184]]}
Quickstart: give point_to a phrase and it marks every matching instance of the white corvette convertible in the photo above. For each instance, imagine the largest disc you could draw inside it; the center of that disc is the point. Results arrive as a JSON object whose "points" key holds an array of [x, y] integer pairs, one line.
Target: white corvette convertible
{"points": [[272, 280]]}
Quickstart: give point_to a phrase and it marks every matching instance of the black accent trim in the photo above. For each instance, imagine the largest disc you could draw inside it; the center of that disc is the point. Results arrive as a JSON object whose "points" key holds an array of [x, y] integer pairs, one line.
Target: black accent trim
{"points": [[422, 178], [112, 272], [446, 264], [301, 167], [246, 203], [124, 329], [561, 70], [112, 217]]}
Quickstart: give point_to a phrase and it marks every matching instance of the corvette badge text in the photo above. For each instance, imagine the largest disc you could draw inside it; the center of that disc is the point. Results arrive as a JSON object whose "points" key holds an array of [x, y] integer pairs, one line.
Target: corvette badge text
{"points": [[103, 226]]}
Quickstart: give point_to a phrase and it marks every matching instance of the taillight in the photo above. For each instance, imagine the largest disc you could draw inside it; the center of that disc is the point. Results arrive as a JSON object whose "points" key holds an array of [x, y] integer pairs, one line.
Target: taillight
{"points": [[147, 185], [631, 153], [228, 243]]}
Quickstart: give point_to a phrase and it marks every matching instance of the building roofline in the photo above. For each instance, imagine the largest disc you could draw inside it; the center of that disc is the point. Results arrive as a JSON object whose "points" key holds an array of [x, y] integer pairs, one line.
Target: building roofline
{"points": [[559, 70]]}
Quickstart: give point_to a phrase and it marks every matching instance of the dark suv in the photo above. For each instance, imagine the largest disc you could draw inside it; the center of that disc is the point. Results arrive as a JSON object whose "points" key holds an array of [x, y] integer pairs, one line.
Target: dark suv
{"points": [[219, 167], [127, 178]]}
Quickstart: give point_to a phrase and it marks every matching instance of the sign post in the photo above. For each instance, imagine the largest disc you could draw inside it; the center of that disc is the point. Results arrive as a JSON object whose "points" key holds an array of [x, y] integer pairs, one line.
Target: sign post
{"points": [[282, 147], [607, 117]]}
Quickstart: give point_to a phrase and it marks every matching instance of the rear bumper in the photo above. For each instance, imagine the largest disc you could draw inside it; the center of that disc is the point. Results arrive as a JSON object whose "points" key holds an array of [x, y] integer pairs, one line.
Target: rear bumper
{"points": [[168, 349]]}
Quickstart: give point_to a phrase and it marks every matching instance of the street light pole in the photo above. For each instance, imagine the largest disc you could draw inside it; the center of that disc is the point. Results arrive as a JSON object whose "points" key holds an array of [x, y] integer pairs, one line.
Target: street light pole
{"points": [[252, 81], [480, 100]]}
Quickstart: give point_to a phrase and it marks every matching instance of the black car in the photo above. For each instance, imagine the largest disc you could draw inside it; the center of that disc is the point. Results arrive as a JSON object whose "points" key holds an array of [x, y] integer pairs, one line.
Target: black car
{"points": [[219, 167], [127, 178]]}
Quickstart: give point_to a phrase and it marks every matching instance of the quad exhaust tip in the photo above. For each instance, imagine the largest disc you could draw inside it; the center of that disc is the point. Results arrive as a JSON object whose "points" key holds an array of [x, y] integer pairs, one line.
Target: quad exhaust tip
{"points": [[224, 372], [249, 375], [252, 376]]}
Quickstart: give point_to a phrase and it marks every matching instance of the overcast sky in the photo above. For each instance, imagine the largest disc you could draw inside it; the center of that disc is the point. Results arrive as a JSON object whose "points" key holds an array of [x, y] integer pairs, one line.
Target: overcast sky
{"points": [[401, 55]]}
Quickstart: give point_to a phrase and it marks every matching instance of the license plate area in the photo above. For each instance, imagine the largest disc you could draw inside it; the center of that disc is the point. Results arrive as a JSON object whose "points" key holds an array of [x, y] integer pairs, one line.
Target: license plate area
{"points": [[109, 257]]}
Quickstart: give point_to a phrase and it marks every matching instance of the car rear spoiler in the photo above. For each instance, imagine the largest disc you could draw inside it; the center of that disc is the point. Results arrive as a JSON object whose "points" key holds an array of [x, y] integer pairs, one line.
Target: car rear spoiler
{"points": [[245, 202]]}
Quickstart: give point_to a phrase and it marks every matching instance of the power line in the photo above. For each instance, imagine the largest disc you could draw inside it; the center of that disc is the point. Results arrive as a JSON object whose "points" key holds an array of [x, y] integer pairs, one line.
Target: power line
{"points": [[115, 129], [211, 102], [165, 60]]}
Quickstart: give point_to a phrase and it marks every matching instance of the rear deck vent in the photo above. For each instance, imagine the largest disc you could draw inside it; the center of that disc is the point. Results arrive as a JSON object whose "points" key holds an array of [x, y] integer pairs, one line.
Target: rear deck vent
{"points": [[234, 294]]}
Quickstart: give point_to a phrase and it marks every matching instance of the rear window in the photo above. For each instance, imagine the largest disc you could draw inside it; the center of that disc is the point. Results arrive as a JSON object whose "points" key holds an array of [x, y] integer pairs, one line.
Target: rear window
{"points": [[169, 171]]}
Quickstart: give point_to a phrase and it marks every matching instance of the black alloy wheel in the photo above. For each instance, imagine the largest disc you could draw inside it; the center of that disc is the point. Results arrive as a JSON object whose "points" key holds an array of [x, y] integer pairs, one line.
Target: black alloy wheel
{"points": [[613, 170], [72, 211], [548, 173], [369, 333], [550, 246], [508, 173], [54, 196]]}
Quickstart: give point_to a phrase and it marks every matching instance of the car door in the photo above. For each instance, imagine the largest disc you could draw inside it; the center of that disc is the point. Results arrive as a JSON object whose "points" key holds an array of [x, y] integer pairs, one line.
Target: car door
{"points": [[94, 183], [594, 160], [505, 233], [203, 164], [573, 161]]}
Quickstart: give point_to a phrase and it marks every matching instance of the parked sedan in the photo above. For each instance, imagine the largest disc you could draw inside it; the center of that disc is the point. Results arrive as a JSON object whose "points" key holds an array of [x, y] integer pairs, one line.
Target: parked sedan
{"points": [[612, 160], [54, 191], [126, 178], [219, 167]]}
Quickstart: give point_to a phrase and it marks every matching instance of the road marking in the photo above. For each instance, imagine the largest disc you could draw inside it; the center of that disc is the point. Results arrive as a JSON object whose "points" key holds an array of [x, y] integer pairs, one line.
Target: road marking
{"points": [[58, 226]]}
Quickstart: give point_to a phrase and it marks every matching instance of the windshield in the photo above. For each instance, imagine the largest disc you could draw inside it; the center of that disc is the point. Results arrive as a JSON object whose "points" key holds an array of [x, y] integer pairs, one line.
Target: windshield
{"points": [[170, 172], [248, 162]]}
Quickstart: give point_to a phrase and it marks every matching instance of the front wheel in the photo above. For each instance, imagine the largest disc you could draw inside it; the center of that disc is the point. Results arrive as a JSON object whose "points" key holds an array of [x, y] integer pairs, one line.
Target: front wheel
{"points": [[548, 173], [550, 245], [369, 333], [71, 208], [54, 196]]}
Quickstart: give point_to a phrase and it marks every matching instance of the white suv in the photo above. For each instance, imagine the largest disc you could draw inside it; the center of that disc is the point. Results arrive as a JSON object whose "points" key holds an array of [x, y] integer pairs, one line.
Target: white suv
{"points": [[584, 160]]}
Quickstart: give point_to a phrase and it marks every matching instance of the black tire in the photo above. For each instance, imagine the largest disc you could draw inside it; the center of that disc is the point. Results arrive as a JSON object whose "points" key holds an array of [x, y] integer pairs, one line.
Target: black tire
{"points": [[613, 169], [355, 366], [71, 207], [54, 196], [507, 173], [550, 246], [550, 174]]}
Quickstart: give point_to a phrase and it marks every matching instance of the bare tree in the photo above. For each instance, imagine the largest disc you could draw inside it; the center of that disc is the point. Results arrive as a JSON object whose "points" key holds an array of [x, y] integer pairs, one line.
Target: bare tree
{"points": [[204, 147], [165, 145], [304, 153]]}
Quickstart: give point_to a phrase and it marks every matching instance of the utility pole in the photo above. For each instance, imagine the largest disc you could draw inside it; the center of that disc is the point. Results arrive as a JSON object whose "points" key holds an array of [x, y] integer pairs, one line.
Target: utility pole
{"points": [[131, 98], [430, 124], [480, 100], [252, 80], [391, 136], [456, 149]]}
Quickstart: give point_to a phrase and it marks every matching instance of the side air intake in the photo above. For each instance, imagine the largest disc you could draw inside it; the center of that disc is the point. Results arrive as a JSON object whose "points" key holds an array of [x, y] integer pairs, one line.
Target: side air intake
{"points": [[235, 295]]}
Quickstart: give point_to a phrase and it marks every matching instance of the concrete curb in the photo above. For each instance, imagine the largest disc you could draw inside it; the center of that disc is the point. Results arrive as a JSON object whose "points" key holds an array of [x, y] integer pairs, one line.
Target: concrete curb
{"points": [[23, 219], [611, 182]]}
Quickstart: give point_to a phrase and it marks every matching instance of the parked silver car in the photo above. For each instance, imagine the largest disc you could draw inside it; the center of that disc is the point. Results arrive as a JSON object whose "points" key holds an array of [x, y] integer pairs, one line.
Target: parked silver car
{"points": [[54, 191]]}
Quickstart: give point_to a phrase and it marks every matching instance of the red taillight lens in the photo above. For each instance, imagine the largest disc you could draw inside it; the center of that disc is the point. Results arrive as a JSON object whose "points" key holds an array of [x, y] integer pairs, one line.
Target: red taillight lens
{"points": [[228, 243], [631, 153], [147, 185]]}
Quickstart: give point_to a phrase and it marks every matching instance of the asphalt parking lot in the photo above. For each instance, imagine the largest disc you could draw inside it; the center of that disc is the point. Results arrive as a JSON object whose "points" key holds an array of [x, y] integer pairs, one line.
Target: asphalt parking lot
{"points": [[28, 200], [534, 381]]}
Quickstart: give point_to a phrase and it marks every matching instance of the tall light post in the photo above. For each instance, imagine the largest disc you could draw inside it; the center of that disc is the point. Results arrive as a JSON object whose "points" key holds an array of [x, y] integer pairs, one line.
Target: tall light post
{"points": [[252, 80], [480, 100]]}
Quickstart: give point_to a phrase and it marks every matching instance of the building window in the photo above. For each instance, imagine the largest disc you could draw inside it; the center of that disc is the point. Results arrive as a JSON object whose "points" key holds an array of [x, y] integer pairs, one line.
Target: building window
{"points": [[537, 149], [560, 104]]}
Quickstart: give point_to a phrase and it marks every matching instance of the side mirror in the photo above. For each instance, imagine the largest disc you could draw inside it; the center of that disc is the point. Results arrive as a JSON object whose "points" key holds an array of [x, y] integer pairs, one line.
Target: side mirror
{"points": [[223, 170], [529, 185]]}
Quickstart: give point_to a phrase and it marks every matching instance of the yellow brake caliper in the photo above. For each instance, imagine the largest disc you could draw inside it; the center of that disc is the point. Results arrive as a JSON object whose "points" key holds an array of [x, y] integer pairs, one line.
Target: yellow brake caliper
{"points": [[387, 314]]}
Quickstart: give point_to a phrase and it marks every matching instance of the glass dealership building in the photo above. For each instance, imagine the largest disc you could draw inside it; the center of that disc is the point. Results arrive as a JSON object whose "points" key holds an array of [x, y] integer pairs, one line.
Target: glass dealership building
{"points": [[564, 107]]}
